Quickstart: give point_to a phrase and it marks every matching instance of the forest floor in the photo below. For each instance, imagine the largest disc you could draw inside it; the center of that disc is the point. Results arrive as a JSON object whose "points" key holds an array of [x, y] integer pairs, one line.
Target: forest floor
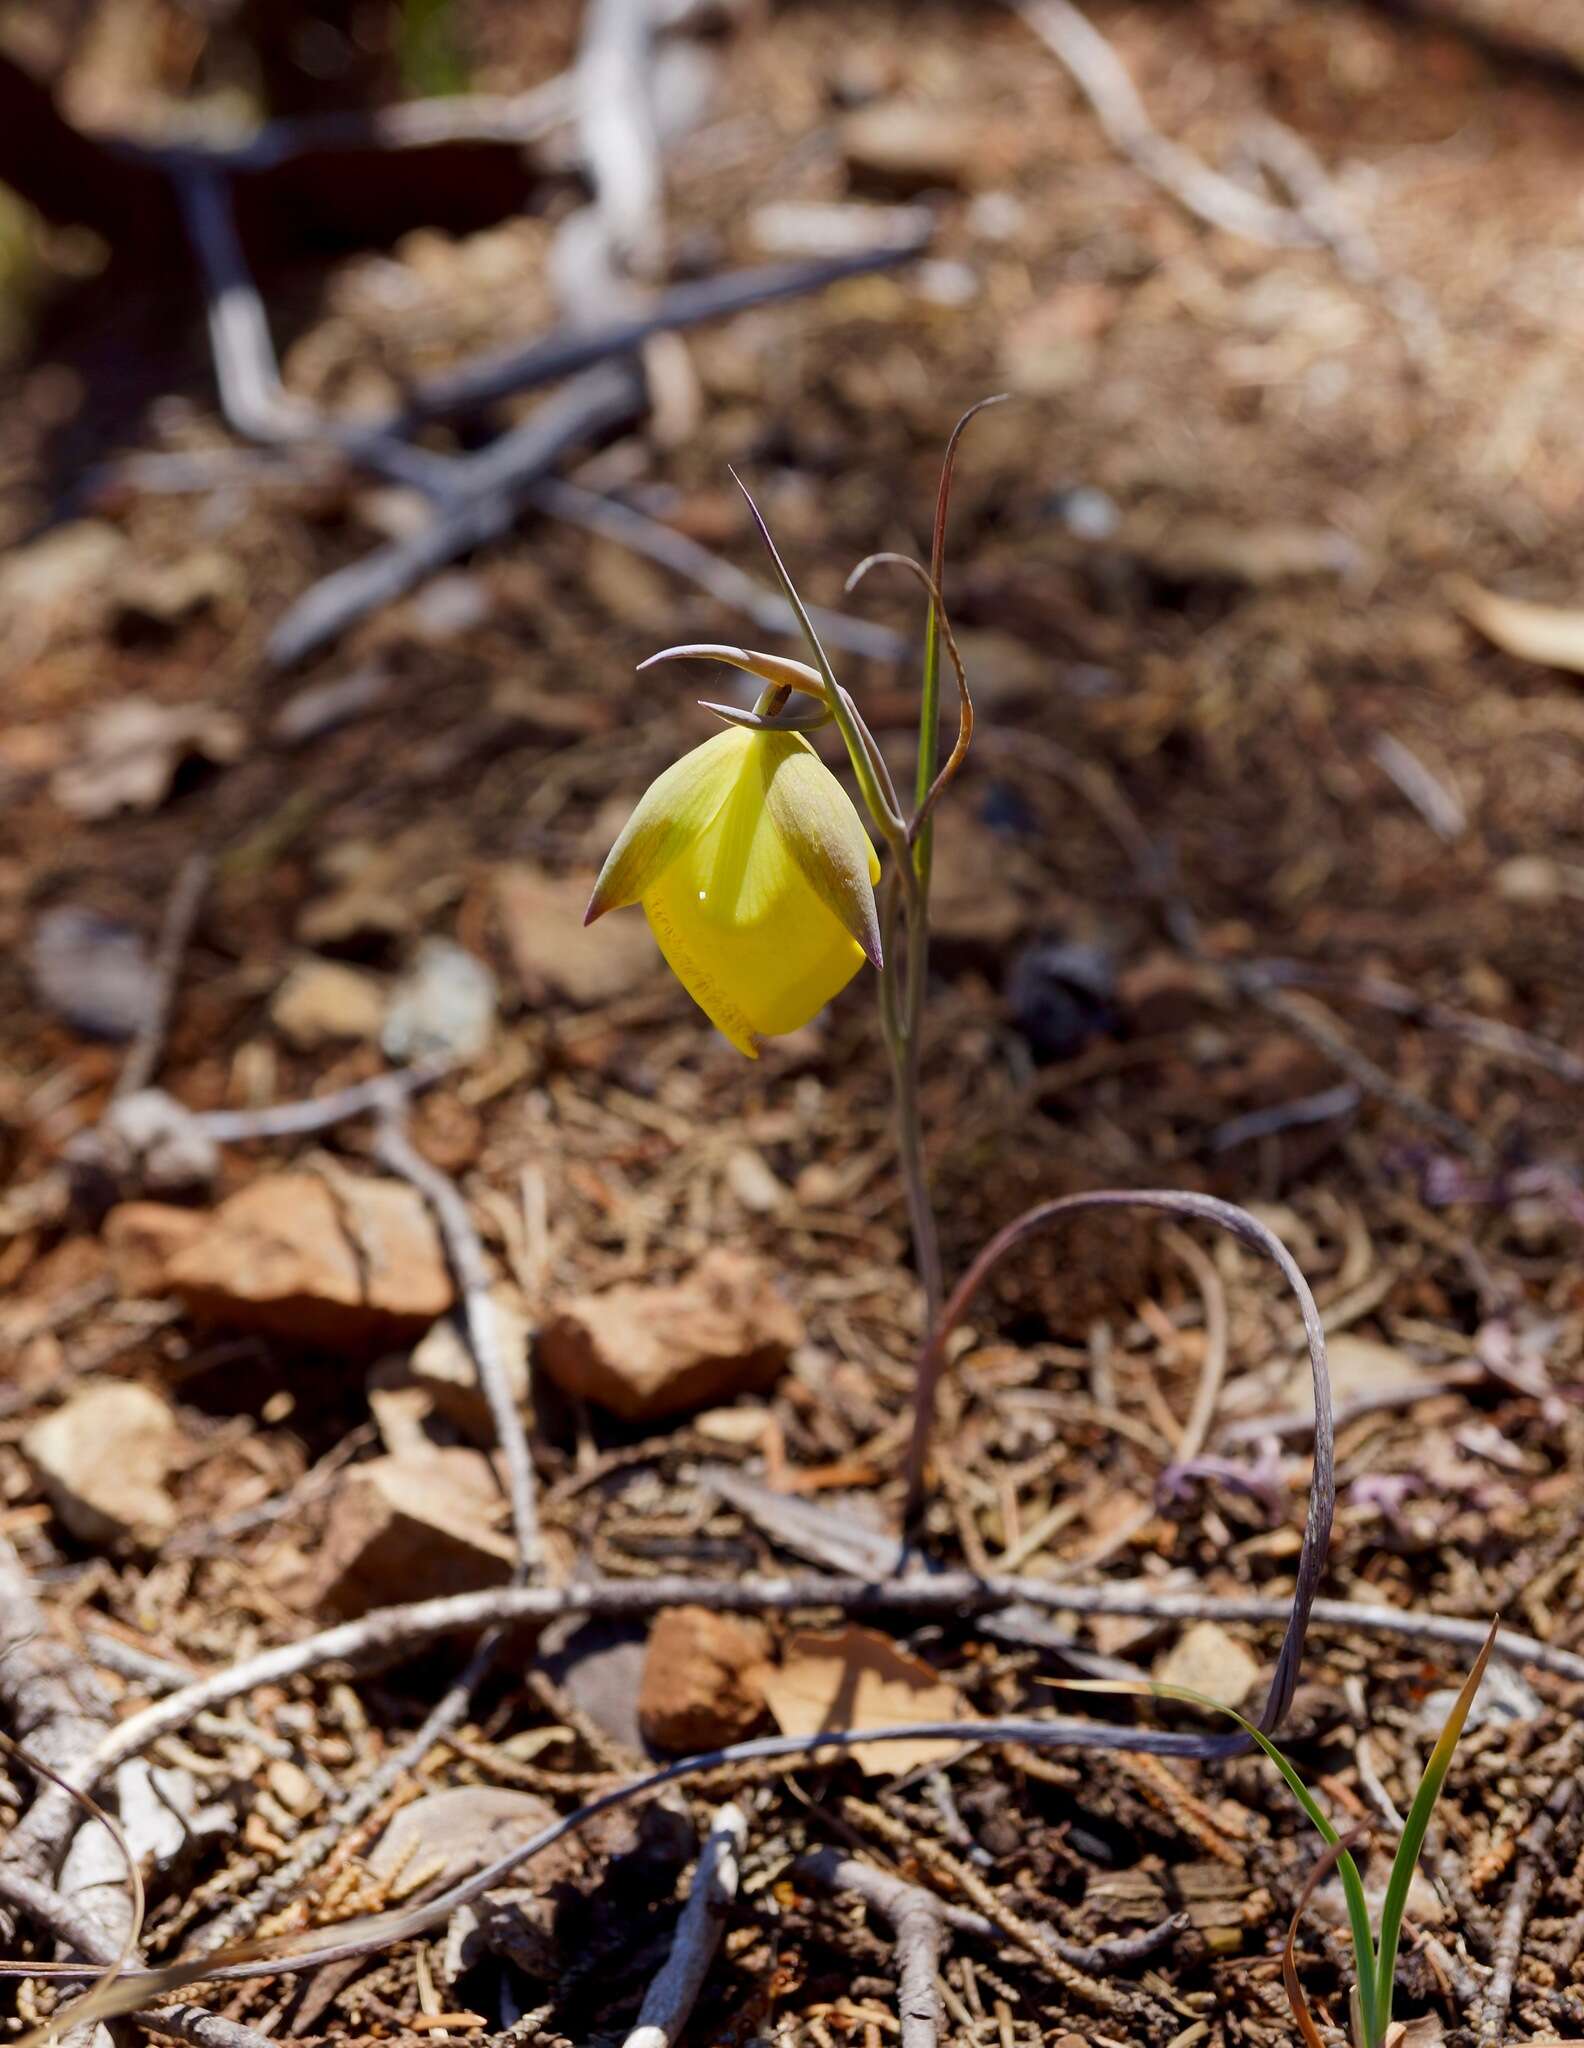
{"points": [[1211, 568]]}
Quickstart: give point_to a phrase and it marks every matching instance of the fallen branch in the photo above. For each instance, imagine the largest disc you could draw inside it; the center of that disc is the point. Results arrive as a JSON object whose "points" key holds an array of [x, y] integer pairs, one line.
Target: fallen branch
{"points": [[674, 1992], [1536, 1858], [388, 1632], [918, 1921], [181, 914], [396, 1150]]}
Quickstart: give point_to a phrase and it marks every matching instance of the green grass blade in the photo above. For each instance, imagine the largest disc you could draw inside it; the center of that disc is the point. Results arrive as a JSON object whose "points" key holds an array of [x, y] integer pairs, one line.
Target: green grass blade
{"points": [[1347, 1869], [1413, 1835]]}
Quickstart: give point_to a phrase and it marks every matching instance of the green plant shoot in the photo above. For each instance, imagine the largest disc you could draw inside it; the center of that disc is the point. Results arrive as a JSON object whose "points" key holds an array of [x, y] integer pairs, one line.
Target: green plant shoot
{"points": [[1374, 1954]]}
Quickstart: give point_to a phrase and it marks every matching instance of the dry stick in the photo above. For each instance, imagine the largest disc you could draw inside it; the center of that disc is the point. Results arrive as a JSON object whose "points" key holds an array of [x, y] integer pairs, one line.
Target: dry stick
{"points": [[722, 580], [616, 127], [1536, 1847], [496, 484], [396, 1150], [181, 914], [1099, 75], [391, 1631], [58, 1709], [671, 1997], [320, 1112], [918, 1921]]}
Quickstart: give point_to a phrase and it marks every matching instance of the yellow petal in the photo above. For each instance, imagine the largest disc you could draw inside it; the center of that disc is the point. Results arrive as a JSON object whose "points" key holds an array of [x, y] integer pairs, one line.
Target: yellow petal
{"points": [[675, 808], [820, 829], [744, 930]]}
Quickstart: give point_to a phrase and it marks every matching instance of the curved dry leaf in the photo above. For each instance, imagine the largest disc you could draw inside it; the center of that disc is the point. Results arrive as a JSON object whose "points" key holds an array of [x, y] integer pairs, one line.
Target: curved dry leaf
{"points": [[1550, 634], [132, 749], [858, 1678]]}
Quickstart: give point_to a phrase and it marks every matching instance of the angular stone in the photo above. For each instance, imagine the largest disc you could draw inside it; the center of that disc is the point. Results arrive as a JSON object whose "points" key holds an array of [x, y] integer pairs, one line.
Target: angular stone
{"points": [[322, 1001], [702, 1682], [642, 1351], [457, 1831], [413, 1527], [899, 146], [554, 953], [358, 1267], [142, 1238], [442, 1365], [102, 1459], [1206, 1659]]}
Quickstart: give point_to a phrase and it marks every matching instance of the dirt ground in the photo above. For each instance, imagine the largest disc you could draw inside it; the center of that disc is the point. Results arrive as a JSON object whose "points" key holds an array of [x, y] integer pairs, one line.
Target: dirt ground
{"points": [[1210, 567]]}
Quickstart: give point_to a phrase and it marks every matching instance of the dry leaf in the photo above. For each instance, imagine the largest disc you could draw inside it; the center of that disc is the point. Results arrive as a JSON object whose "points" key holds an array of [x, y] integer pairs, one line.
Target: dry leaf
{"points": [[857, 1678], [1547, 633], [133, 749]]}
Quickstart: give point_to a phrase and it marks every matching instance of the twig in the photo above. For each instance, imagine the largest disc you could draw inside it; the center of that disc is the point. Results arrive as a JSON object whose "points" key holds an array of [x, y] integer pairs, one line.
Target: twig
{"points": [[181, 914], [285, 1881], [396, 1150], [616, 127], [389, 1631], [918, 1921], [488, 379], [671, 1997], [320, 1112], [1099, 75], [1536, 1848], [487, 491], [723, 581], [58, 1709]]}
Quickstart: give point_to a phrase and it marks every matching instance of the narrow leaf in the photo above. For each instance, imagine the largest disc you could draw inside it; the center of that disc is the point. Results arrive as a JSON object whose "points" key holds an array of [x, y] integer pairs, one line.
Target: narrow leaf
{"points": [[1413, 1833], [1347, 1869], [1303, 2018]]}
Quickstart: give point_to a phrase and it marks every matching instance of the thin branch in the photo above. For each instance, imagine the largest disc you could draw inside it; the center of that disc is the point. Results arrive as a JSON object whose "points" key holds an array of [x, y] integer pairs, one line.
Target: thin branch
{"points": [[1099, 75], [722, 580], [674, 1992], [390, 1631], [396, 1150], [918, 1921], [181, 914], [320, 1112], [1536, 1860]]}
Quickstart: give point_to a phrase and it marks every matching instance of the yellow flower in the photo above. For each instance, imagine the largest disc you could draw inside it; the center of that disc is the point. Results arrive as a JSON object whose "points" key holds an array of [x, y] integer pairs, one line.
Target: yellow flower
{"points": [[757, 879]]}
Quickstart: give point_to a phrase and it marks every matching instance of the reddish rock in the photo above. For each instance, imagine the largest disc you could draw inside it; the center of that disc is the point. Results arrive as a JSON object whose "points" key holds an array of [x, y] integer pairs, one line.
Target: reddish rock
{"points": [[413, 1527], [356, 1267], [702, 1682], [554, 954], [142, 1238], [644, 1352]]}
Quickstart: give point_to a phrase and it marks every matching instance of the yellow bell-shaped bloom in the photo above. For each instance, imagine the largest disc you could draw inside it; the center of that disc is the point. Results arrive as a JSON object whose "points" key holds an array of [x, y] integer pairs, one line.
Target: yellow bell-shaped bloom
{"points": [[757, 879]]}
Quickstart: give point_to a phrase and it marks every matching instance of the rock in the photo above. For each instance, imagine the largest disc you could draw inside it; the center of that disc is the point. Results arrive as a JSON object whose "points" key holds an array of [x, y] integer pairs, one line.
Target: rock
{"points": [[451, 1834], [554, 953], [442, 1365], [811, 227], [60, 579], [597, 1664], [1060, 993], [145, 1143], [974, 900], [645, 1351], [1361, 1369], [702, 1684], [1163, 994], [103, 1459], [898, 146], [167, 595], [142, 1238], [93, 972], [414, 1526], [132, 749], [1206, 1659], [359, 1267], [321, 1002], [446, 1003]]}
